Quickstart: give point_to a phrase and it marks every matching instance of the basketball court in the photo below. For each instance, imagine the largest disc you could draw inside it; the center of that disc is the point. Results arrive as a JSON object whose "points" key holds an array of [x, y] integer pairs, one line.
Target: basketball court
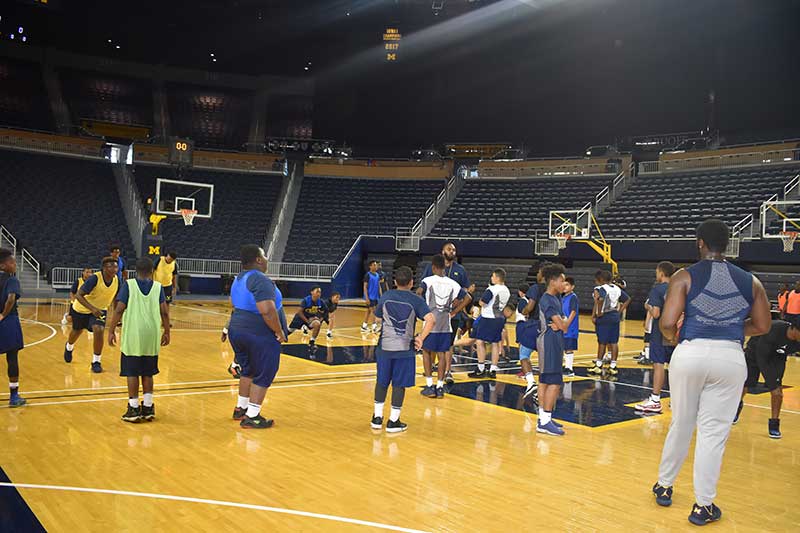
{"points": [[471, 461]]}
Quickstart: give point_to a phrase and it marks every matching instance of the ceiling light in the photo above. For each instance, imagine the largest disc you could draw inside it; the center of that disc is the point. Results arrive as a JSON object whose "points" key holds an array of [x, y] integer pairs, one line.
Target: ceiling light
{"points": [[212, 55], [214, 60], [24, 39], [305, 68], [19, 29], [109, 40], [348, 13], [117, 47]]}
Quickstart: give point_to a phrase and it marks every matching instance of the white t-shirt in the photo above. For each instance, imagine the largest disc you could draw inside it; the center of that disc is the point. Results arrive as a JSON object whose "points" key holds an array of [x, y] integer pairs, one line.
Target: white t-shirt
{"points": [[496, 297], [439, 293]]}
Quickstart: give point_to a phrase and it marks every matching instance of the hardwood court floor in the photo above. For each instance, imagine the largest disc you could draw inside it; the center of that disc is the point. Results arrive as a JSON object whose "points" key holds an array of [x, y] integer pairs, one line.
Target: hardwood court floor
{"points": [[469, 462]]}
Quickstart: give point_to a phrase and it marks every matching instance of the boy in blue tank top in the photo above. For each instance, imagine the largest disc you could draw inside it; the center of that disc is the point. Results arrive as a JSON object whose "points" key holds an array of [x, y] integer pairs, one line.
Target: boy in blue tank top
{"points": [[721, 304], [570, 309], [372, 292]]}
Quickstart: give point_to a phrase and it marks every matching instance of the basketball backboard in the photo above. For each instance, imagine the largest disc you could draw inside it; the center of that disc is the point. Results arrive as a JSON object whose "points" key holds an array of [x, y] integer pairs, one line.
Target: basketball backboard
{"points": [[576, 223], [779, 217], [174, 195]]}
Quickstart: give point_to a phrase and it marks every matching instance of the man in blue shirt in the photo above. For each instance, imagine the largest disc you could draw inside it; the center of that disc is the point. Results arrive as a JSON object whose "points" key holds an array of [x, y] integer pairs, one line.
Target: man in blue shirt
{"points": [[372, 292], [610, 302], [10, 329], [256, 330], [398, 309], [122, 274], [660, 354], [550, 344], [309, 317]]}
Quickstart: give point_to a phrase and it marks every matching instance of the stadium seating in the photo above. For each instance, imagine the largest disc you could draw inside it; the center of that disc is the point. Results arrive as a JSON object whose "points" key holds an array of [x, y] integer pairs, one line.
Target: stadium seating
{"points": [[672, 205], [23, 97], [333, 212], [65, 211], [243, 206], [213, 117], [514, 209], [106, 97]]}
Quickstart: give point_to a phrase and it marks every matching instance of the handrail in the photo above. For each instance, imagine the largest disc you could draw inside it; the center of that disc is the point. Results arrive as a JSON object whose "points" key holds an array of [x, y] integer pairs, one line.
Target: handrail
{"points": [[721, 161], [301, 271], [7, 235], [601, 195], [764, 209], [32, 263], [740, 226], [793, 184]]}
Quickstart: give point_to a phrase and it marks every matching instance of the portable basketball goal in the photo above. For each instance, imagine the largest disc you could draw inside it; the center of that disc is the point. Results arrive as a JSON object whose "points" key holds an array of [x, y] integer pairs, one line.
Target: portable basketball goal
{"points": [[576, 225], [777, 222]]}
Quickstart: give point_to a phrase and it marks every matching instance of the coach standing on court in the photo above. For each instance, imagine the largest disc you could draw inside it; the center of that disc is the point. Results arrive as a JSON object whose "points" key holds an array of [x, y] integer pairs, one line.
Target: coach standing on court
{"points": [[721, 304]]}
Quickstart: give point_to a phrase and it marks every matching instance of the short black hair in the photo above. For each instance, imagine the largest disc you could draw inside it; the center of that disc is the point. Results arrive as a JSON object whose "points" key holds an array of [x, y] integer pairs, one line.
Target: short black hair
{"points": [[603, 275], [335, 293], [114, 247], [108, 259], [373, 262], [570, 280], [144, 265], [500, 273], [715, 233], [523, 288], [315, 287], [249, 253], [553, 271], [172, 254], [403, 276], [449, 243], [5, 254], [88, 268], [666, 268], [437, 261]]}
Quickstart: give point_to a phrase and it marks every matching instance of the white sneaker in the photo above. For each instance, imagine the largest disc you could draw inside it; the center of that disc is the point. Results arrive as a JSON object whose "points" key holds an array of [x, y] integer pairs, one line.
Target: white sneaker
{"points": [[305, 329], [375, 328], [329, 334], [648, 406], [364, 327], [64, 320]]}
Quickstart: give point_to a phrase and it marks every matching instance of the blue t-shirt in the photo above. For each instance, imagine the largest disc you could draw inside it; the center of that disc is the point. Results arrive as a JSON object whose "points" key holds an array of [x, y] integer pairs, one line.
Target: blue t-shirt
{"points": [[9, 285], [400, 311], [609, 317], [311, 308], [569, 303], [656, 298], [74, 288], [455, 272], [120, 267], [89, 285], [144, 285], [262, 288], [553, 341], [373, 281]]}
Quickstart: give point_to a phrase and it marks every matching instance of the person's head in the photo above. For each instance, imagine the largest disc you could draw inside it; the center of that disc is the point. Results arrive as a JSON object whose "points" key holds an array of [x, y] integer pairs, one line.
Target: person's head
{"points": [[403, 278], [784, 288], [498, 276], [522, 290], [553, 275], [8, 263], [471, 288], [449, 251], [316, 292], [170, 257], [797, 287], [793, 333], [110, 267], [380, 265], [373, 266], [619, 282], [87, 273], [508, 311], [664, 271], [540, 270], [115, 251], [712, 237], [437, 264], [569, 284], [602, 277], [335, 297], [253, 257], [144, 268]]}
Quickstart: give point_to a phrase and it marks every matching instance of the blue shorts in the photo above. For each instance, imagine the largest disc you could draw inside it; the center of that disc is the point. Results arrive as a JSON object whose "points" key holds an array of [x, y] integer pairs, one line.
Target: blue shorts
{"points": [[437, 342], [570, 345], [607, 333], [525, 352], [660, 353], [490, 329], [396, 371], [11, 334], [373, 303], [551, 378], [259, 356]]}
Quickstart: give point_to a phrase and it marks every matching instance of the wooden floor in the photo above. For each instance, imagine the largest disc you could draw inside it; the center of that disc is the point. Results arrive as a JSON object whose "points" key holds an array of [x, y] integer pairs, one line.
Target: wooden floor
{"points": [[465, 464]]}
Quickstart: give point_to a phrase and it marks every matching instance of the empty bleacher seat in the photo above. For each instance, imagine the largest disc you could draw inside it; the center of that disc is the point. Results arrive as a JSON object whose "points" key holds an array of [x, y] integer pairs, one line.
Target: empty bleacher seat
{"points": [[107, 97], [23, 97]]}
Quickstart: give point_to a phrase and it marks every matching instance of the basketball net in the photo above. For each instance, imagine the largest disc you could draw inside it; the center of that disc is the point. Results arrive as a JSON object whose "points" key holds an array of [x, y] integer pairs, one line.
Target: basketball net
{"points": [[788, 238], [562, 239], [188, 216]]}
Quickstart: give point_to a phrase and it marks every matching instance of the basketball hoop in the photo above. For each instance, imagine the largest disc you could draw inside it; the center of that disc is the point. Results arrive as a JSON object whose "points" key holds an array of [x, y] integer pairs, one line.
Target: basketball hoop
{"points": [[188, 216], [561, 239], [788, 238]]}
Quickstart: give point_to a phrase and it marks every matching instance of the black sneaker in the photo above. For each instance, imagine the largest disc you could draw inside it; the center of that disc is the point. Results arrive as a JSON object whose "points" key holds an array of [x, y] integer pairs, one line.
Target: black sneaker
{"points": [[568, 372], [440, 393], [133, 414], [97, 368], [428, 391], [704, 514], [312, 342], [478, 373], [532, 388], [774, 428], [644, 361], [239, 412], [663, 495], [257, 422], [396, 426], [377, 422], [67, 355], [448, 378], [148, 413], [638, 356], [491, 374], [738, 412]]}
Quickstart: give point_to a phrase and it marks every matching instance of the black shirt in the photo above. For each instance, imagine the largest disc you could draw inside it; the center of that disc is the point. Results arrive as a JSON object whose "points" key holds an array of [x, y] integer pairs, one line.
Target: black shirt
{"points": [[774, 343]]}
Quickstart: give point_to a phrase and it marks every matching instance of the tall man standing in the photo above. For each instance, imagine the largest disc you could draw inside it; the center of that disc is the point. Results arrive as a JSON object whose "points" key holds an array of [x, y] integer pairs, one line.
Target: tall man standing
{"points": [[721, 304], [166, 273]]}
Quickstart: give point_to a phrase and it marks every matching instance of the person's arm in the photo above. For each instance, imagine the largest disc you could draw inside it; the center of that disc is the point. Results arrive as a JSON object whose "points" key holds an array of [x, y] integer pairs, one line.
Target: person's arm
{"points": [[81, 297], [626, 303], [269, 313], [570, 318], [331, 317], [427, 327], [459, 302], [559, 323], [674, 305], [116, 316], [532, 296], [486, 299], [174, 284], [760, 319], [164, 308], [366, 292], [226, 327], [124, 270], [10, 301]]}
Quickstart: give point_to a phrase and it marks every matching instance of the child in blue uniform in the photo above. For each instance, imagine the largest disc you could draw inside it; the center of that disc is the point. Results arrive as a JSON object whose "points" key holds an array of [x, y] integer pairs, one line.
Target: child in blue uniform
{"points": [[550, 343], [610, 302], [372, 292], [571, 310], [10, 329]]}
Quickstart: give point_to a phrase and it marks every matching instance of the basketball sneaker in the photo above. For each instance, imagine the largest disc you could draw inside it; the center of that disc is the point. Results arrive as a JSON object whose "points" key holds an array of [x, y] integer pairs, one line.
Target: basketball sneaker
{"points": [[440, 393], [235, 370], [304, 329], [613, 370], [97, 368], [607, 358], [239, 412], [549, 429], [448, 378], [479, 373], [568, 372], [377, 422], [329, 334], [428, 392], [595, 369], [133, 414], [67, 355], [148, 413], [648, 406], [774, 428], [64, 320], [704, 514], [531, 388], [374, 327], [364, 328], [663, 495], [257, 422], [312, 343], [644, 361], [491, 374], [738, 412], [17, 401], [396, 426]]}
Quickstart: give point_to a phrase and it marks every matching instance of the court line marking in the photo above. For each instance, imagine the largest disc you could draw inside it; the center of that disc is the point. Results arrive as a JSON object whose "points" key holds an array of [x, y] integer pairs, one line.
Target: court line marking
{"points": [[222, 503], [52, 331], [767, 407]]}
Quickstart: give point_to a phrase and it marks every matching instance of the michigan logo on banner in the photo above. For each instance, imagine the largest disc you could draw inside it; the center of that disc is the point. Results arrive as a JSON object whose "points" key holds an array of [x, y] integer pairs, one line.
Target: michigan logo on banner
{"points": [[154, 250]]}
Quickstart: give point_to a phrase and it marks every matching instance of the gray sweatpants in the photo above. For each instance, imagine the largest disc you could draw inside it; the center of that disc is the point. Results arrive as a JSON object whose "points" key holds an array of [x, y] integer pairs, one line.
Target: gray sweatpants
{"points": [[705, 386]]}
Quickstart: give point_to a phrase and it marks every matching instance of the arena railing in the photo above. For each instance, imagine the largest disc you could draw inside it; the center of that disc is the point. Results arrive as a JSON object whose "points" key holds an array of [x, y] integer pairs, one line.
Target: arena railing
{"points": [[63, 277], [6, 236], [49, 143], [721, 161], [301, 271]]}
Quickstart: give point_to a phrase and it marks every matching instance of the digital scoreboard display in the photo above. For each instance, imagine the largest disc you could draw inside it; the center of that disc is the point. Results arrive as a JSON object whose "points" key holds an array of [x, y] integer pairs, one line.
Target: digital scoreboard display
{"points": [[391, 42], [181, 152]]}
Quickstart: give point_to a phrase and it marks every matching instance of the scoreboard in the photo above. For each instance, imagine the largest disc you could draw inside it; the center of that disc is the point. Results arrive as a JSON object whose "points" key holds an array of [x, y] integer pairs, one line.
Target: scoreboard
{"points": [[181, 152], [391, 42]]}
